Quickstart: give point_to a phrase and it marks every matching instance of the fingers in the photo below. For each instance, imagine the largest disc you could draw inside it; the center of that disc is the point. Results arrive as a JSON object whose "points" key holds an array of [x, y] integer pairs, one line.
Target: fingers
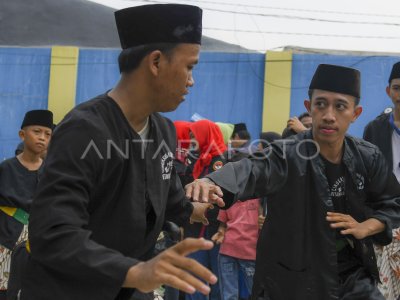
{"points": [[217, 200], [203, 191], [210, 206], [338, 217], [217, 190], [195, 192], [190, 245], [189, 190], [180, 279], [347, 231], [341, 225], [194, 267]]}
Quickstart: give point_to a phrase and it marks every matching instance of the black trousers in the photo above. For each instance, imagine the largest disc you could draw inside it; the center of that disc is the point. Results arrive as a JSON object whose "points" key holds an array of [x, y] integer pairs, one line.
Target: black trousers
{"points": [[359, 285]]}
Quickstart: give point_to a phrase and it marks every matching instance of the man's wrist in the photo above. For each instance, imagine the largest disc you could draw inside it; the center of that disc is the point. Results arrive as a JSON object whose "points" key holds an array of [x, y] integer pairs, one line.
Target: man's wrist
{"points": [[374, 226], [208, 180]]}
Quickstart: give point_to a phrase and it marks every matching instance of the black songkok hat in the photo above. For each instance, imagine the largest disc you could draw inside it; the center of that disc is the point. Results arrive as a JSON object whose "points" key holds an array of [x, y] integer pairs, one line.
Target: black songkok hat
{"points": [[159, 23], [336, 79], [395, 72], [40, 117], [239, 127]]}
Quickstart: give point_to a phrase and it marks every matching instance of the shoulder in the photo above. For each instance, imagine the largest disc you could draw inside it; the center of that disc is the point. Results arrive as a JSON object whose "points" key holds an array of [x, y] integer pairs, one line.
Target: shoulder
{"points": [[8, 162], [379, 120], [89, 118], [368, 151]]}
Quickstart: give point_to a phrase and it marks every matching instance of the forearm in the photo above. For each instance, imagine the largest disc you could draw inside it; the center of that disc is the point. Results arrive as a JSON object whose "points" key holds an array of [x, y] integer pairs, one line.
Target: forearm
{"points": [[373, 226]]}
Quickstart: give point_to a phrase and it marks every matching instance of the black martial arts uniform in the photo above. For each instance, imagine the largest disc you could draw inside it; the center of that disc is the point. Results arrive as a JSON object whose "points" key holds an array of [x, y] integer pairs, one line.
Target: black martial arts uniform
{"points": [[17, 186], [297, 256], [101, 204]]}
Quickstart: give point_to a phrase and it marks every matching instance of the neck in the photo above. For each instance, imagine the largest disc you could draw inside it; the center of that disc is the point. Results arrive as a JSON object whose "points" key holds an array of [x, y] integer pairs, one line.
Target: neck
{"points": [[396, 115], [333, 152], [30, 160], [133, 100]]}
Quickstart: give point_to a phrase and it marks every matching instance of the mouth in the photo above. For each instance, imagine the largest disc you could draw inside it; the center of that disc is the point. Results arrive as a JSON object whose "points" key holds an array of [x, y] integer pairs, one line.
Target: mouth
{"points": [[40, 145], [328, 129]]}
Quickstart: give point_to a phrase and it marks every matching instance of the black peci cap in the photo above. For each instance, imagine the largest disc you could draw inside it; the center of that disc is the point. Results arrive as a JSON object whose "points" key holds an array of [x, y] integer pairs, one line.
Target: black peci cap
{"points": [[159, 23], [336, 79], [40, 117]]}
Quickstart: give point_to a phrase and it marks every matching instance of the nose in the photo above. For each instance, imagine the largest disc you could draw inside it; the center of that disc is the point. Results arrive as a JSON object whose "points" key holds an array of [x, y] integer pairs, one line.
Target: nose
{"points": [[329, 115], [42, 136], [190, 82]]}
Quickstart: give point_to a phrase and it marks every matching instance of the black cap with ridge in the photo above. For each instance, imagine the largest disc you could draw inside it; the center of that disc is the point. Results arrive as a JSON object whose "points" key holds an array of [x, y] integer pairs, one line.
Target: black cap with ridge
{"points": [[159, 23], [39, 117], [395, 72], [239, 127], [336, 79]]}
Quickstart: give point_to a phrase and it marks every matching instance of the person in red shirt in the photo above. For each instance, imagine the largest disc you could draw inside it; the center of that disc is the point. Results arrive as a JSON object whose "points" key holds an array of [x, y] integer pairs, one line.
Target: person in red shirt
{"points": [[237, 234]]}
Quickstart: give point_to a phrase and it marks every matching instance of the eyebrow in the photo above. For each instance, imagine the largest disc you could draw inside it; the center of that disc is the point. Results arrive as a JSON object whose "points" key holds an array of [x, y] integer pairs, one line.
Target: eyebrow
{"points": [[321, 98], [343, 101]]}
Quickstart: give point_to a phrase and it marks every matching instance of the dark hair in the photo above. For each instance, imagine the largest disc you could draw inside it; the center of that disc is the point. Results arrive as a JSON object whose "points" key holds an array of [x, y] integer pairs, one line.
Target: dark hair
{"points": [[310, 93], [304, 115], [244, 135], [129, 59]]}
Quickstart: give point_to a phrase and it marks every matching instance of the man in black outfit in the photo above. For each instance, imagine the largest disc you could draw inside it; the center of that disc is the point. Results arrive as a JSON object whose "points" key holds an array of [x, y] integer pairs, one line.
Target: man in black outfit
{"points": [[330, 196], [109, 184]]}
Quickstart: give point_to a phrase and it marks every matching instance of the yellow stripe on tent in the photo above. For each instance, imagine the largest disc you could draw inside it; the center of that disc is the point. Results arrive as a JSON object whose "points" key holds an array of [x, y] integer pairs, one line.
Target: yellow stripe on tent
{"points": [[63, 77], [277, 86]]}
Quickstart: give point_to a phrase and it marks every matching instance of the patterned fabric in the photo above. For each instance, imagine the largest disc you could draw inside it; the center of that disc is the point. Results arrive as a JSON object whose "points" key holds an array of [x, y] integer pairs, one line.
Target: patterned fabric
{"points": [[388, 259], [5, 260]]}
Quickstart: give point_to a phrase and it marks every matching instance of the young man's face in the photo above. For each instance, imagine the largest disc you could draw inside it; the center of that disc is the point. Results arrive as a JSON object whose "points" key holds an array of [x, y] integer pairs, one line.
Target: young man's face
{"points": [[393, 91], [331, 115], [306, 121], [36, 138], [237, 142], [176, 77]]}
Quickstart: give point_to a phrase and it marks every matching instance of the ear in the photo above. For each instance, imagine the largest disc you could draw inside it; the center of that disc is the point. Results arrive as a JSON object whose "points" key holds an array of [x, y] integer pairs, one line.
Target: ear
{"points": [[307, 105], [21, 134], [357, 112], [154, 62], [388, 91]]}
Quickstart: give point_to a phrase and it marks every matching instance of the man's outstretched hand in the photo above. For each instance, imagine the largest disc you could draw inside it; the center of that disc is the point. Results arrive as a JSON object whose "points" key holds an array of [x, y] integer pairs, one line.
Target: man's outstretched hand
{"points": [[204, 190], [173, 268], [349, 225]]}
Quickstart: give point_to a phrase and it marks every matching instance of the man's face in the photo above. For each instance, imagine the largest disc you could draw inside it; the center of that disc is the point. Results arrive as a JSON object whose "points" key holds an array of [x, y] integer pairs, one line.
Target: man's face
{"points": [[237, 142], [176, 76], [393, 91], [36, 138], [307, 122], [331, 115]]}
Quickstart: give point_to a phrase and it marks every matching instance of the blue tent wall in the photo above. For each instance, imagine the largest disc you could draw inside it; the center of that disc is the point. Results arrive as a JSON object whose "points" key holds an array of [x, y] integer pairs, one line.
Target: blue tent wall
{"points": [[97, 72], [228, 87], [374, 70], [24, 78]]}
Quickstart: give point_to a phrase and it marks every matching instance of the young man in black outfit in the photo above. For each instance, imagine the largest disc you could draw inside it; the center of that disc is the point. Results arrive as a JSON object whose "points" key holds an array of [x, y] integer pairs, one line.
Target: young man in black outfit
{"points": [[329, 197], [109, 184]]}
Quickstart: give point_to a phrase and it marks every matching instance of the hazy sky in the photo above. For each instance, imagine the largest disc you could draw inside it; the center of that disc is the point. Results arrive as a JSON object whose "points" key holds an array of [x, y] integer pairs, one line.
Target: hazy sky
{"points": [[361, 25]]}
